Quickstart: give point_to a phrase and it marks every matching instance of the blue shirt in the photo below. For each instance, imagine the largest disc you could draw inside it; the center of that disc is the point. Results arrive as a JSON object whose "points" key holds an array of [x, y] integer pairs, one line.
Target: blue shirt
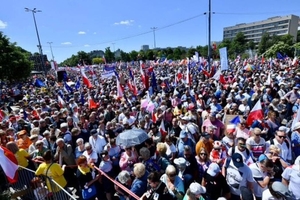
{"points": [[295, 138]]}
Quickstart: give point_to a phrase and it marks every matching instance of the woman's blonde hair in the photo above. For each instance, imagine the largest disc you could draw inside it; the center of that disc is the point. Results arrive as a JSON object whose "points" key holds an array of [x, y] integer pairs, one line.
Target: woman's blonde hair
{"points": [[274, 149], [255, 131], [161, 148], [139, 170]]}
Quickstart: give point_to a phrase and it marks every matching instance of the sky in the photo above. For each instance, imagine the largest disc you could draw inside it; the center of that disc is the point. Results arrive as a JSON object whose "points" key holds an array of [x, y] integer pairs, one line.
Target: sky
{"points": [[75, 25]]}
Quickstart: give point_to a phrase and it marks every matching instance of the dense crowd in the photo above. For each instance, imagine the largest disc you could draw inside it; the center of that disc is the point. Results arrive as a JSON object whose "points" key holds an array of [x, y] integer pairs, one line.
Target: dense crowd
{"points": [[192, 150]]}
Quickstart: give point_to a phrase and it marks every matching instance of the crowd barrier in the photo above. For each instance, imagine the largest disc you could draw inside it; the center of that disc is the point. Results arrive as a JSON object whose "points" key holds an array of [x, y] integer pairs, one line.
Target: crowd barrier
{"points": [[34, 187]]}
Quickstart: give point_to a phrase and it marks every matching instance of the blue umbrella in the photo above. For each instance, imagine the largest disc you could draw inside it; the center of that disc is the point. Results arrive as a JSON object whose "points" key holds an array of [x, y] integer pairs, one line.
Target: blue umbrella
{"points": [[132, 137]]}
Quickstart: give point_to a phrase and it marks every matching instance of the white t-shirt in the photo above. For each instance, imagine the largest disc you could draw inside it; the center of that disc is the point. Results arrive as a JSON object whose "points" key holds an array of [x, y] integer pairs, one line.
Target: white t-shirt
{"points": [[258, 175], [266, 195], [292, 174], [285, 151], [238, 177], [247, 158], [98, 144], [92, 156]]}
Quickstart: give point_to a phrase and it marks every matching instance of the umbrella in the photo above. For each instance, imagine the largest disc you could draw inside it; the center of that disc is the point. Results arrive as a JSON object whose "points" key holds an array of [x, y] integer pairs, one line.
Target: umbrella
{"points": [[249, 67], [132, 137]]}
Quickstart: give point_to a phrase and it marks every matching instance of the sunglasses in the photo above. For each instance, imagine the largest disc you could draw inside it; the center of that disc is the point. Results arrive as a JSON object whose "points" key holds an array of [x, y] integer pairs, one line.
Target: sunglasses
{"points": [[242, 145], [203, 154], [281, 136], [272, 153]]}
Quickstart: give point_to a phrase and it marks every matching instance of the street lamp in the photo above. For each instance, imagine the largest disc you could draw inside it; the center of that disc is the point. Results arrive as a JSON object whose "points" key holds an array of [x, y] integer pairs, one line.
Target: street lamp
{"points": [[154, 29], [37, 33], [209, 33], [51, 50]]}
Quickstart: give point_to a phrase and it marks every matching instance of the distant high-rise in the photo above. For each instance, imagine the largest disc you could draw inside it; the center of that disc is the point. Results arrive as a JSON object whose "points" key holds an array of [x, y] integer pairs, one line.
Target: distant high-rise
{"points": [[145, 47], [274, 26]]}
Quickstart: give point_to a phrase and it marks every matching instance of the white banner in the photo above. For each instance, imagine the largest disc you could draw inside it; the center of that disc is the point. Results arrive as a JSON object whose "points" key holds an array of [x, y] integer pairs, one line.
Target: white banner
{"points": [[107, 75], [223, 58]]}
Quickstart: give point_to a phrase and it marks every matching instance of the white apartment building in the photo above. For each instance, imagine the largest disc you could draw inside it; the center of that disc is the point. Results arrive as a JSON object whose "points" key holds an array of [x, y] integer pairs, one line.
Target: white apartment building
{"points": [[274, 26]]}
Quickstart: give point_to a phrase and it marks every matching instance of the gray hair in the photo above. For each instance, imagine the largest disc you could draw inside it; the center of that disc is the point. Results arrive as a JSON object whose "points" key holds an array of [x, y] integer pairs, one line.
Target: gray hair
{"points": [[79, 140], [139, 170], [87, 145], [145, 153], [59, 140], [124, 176]]}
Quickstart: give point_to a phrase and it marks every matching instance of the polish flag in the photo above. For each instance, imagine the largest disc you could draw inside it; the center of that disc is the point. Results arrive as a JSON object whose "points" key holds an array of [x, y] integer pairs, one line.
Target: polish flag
{"points": [[230, 128], [255, 114], [85, 79], [9, 164], [188, 78], [92, 103], [61, 102], [119, 90], [295, 61], [2, 115], [162, 129]]}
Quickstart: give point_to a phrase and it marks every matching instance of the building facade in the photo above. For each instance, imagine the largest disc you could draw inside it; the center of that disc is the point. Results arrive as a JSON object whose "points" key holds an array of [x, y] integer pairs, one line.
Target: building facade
{"points": [[145, 47], [274, 26]]}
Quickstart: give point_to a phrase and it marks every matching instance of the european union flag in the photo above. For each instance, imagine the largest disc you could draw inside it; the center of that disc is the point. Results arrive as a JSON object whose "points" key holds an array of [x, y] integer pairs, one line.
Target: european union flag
{"points": [[39, 83], [153, 81], [280, 56], [235, 120], [109, 68], [82, 99]]}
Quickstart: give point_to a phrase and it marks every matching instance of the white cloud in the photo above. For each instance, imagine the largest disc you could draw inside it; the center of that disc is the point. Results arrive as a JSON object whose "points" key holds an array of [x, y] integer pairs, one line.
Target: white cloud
{"points": [[81, 33], [66, 43], [95, 33], [3, 24], [86, 45], [125, 22]]}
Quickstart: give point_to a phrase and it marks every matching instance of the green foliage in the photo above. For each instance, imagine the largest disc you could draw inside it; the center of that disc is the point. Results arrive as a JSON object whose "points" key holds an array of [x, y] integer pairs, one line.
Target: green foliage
{"points": [[14, 61], [97, 61], [109, 55], [279, 47]]}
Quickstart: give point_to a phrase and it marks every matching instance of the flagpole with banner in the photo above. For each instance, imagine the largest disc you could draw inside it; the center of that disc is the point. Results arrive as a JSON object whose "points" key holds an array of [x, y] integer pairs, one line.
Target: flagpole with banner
{"points": [[223, 58]]}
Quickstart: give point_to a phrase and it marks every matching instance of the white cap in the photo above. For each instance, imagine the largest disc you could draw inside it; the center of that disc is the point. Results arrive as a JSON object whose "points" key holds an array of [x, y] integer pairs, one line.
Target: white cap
{"points": [[197, 189]]}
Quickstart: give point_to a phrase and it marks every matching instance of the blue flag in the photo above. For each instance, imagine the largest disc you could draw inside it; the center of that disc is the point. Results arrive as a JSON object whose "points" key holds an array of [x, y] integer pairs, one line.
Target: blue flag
{"points": [[109, 68], [65, 77], [153, 81], [25, 114], [235, 120], [280, 56], [82, 99], [39, 83], [68, 88], [77, 85]]}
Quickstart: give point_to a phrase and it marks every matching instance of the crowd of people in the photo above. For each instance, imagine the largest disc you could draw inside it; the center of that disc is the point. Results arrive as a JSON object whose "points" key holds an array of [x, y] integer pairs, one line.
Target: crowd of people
{"points": [[197, 154]]}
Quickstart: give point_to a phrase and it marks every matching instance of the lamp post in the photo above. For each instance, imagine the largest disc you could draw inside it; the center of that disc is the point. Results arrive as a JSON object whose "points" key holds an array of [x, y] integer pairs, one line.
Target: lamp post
{"points": [[154, 29], [50, 43], [37, 33], [209, 33]]}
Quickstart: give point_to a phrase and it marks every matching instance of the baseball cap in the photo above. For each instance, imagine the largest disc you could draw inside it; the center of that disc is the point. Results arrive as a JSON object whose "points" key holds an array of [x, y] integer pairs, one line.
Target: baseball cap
{"points": [[213, 169], [181, 162], [283, 190], [237, 160], [197, 189]]}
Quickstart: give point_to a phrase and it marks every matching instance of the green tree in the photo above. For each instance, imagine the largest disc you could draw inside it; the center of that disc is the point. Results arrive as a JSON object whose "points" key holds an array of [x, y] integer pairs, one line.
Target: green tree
{"points": [[124, 56], [238, 45], [133, 55], [109, 55], [264, 44], [251, 44], [84, 57], [279, 47], [14, 61], [97, 61], [149, 55], [177, 54], [298, 36], [287, 39]]}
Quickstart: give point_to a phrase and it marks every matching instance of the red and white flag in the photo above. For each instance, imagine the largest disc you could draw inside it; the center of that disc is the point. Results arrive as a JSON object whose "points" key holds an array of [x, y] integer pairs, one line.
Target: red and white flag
{"points": [[295, 61], [61, 102], [162, 129], [153, 117], [9, 164], [92, 103], [85, 79], [120, 92], [255, 114]]}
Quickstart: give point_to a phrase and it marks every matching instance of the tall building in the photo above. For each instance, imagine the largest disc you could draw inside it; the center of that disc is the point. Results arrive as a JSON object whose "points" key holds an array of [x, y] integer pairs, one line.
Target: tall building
{"points": [[274, 26], [145, 47]]}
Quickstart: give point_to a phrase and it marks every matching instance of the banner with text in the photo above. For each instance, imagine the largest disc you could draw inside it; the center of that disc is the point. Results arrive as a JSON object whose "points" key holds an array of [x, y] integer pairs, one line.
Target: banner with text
{"points": [[223, 58]]}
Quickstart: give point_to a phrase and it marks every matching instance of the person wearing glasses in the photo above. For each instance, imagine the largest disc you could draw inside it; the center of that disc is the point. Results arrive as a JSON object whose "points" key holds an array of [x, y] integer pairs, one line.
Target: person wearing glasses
{"points": [[281, 142], [173, 182], [241, 148], [203, 162], [256, 143]]}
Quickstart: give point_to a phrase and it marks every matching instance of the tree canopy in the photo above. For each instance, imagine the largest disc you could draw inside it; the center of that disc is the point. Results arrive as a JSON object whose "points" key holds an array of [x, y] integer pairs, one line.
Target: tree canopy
{"points": [[14, 61]]}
